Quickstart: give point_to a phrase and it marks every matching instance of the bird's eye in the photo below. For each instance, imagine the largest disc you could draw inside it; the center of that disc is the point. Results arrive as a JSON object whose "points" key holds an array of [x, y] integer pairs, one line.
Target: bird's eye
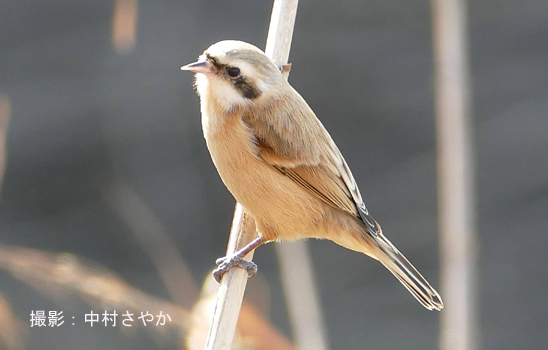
{"points": [[233, 71]]}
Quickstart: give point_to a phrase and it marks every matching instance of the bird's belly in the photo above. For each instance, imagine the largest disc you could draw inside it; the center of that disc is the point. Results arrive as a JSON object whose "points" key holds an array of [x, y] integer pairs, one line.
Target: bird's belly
{"points": [[282, 208]]}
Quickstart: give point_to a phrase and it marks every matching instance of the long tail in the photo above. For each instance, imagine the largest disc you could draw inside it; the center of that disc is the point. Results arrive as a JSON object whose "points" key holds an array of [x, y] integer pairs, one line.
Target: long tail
{"points": [[394, 261]]}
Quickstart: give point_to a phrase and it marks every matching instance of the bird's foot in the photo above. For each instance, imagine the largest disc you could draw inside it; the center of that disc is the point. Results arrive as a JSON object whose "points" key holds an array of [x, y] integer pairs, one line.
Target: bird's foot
{"points": [[228, 262]]}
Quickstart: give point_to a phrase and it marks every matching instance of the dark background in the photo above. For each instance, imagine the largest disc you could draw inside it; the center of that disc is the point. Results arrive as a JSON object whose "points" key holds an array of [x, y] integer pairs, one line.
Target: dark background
{"points": [[84, 117]]}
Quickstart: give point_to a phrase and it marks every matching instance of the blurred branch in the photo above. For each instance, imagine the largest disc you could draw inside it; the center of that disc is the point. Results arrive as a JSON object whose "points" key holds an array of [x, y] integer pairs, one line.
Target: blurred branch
{"points": [[156, 241], [458, 243], [5, 114], [58, 273], [304, 308], [256, 331], [124, 25], [12, 329]]}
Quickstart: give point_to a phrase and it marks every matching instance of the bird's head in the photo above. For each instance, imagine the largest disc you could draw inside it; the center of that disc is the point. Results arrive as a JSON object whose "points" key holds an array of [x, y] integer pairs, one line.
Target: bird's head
{"points": [[235, 74]]}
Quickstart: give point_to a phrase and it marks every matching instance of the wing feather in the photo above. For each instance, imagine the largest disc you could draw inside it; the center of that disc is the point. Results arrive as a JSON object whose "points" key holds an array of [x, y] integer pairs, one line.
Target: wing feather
{"points": [[300, 148]]}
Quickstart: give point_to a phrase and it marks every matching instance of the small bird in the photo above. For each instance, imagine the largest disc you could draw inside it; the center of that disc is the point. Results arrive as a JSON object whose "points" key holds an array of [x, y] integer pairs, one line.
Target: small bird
{"points": [[281, 165]]}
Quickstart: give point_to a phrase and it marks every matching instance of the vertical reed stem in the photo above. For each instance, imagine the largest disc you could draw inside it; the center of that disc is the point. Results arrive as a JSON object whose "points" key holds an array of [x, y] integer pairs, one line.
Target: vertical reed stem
{"points": [[459, 320]]}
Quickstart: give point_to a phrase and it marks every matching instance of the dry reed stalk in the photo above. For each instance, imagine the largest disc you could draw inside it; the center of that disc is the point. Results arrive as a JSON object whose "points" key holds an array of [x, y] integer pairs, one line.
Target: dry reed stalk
{"points": [[458, 242], [304, 308], [231, 291], [253, 331]]}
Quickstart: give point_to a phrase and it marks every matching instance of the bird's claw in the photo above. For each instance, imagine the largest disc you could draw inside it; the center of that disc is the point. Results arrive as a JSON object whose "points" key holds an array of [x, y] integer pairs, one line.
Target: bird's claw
{"points": [[226, 263]]}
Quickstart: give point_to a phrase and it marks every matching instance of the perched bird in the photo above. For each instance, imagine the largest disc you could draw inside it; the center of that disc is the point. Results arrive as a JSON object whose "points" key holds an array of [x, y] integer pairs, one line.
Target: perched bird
{"points": [[280, 163]]}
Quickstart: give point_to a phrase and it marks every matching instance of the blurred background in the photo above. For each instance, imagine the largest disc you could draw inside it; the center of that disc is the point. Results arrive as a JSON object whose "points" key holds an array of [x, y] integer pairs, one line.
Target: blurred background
{"points": [[110, 199]]}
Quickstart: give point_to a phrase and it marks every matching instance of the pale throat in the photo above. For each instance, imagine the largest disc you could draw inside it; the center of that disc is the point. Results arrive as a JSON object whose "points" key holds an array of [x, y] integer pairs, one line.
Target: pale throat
{"points": [[220, 92], [218, 103]]}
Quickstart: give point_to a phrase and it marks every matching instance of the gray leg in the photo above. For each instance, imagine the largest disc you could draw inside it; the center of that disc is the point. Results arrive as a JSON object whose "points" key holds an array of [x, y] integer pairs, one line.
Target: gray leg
{"points": [[237, 259]]}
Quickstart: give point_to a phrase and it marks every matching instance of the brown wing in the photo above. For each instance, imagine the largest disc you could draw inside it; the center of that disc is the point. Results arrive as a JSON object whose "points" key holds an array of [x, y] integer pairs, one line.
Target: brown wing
{"points": [[324, 184], [295, 143]]}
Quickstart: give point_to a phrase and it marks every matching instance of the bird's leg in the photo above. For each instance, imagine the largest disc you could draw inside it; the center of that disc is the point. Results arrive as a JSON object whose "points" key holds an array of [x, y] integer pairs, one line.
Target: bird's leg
{"points": [[237, 259]]}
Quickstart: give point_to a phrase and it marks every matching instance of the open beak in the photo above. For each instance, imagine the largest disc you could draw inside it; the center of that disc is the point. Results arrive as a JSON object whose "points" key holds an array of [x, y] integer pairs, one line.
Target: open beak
{"points": [[202, 66]]}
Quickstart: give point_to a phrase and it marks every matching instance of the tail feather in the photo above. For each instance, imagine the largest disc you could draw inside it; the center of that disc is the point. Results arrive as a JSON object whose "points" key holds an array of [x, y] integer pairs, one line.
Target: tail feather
{"points": [[400, 267]]}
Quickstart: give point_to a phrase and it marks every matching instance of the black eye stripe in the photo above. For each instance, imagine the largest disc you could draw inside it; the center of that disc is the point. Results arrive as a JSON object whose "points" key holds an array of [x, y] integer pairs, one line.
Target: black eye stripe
{"points": [[247, 90]]}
